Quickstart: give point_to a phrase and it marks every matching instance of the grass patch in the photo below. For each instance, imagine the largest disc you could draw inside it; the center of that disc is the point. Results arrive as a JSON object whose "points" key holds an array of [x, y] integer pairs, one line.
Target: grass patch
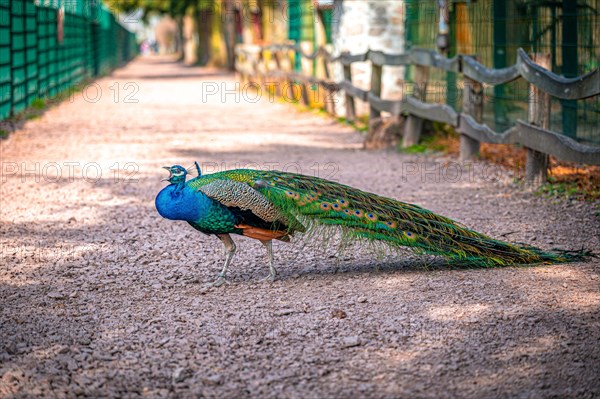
{"points": [[360, 128], [357, 125], [38, 103], [582, 183], [554, 189], [415, 149], [436, 137]]}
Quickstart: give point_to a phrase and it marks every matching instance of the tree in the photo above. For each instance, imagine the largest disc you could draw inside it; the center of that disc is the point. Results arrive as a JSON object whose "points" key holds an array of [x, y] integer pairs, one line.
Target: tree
{"points": [[216, 35]]}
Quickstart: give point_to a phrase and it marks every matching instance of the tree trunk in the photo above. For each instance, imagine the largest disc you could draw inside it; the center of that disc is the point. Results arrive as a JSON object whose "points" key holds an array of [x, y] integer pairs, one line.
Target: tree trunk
{"points": [[179, 43], [229, 32], [203, 22]]}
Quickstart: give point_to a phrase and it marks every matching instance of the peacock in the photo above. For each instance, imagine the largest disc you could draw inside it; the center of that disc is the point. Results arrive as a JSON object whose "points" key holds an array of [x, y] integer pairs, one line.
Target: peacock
{"points": [[273, 205]]}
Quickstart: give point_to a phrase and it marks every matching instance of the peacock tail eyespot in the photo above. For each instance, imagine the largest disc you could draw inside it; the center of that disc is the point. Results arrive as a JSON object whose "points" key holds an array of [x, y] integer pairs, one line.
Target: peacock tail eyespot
{"points": [[344, 203], [336, 206], [371, 217], [410, 235], [297, 196], [325, 206], [347, 211], [392, 225], [290, 194], [358, 213]]}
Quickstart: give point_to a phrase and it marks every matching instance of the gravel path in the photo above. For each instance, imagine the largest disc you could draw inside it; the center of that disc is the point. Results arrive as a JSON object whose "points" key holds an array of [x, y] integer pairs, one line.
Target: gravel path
{"points": [[100, 297]]}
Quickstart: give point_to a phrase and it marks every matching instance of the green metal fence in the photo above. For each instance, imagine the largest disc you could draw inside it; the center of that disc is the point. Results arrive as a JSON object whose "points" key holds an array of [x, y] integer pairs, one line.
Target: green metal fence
{"points": [[34, 63], [568, 30]]}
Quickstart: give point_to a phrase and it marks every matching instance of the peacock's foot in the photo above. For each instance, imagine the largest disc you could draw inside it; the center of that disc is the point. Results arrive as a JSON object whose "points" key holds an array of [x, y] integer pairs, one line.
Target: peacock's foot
{"points": [[218, 282], [272, 276]]}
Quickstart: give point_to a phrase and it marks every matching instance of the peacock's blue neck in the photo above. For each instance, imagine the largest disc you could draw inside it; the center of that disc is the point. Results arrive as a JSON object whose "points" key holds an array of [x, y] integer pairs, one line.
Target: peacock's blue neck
{"points": [[180, 202]]}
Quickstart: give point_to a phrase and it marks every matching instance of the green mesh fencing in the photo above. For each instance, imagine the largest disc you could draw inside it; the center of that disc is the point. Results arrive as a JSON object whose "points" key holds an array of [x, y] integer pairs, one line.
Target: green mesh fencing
{"points": [[5, 60], [300, 25], [569, 31], [34, 64]]}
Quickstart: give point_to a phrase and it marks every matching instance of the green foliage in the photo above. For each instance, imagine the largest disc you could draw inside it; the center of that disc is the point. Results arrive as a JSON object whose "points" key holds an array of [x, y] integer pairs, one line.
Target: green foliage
{"points": [[38, 103], [3, 134], [552, 189], [356, 125], [429, 144], [415, 149], [174, 8], [361, 128], [363, 119]]}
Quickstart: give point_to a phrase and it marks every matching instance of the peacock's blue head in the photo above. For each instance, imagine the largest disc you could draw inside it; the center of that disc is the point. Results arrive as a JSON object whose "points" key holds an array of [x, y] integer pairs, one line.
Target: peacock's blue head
{"points": [[177, 174]]}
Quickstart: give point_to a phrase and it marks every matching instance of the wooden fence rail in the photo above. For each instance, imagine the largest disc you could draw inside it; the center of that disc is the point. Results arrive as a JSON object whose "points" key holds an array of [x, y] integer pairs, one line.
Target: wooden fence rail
{"points": [[534, 134]]}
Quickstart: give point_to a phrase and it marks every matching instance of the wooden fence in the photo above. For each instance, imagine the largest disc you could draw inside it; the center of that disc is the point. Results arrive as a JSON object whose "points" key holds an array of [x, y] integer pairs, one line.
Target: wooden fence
{"points": [[274, 64]]}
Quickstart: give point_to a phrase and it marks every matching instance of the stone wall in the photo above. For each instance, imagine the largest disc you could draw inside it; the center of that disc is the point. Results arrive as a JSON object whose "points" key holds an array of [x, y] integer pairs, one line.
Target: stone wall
{"points": [[360, 25]]}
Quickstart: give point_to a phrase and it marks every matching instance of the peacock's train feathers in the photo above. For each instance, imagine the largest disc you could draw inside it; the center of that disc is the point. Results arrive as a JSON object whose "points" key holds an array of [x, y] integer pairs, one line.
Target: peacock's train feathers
{"points": [[297, 202]]}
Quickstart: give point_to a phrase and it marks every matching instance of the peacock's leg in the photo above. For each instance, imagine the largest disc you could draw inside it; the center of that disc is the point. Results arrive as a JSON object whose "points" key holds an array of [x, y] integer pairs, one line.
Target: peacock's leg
{"points": [[272, 271], [230, 249]]}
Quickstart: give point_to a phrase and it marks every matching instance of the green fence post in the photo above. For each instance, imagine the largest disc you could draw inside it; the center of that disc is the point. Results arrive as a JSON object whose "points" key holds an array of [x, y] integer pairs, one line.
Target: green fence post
{"points": [[31, 52], [569, 64], [499, 21], [19, 75], [5, 61]]}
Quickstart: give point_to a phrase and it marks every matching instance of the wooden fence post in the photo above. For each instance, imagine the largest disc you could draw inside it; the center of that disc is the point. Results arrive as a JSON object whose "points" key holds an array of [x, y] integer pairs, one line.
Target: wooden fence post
{"points": [[472, 106], [304, 92], [414, 124], [259, 66], [307, 70], [278, 69], [350, 108], [321, 68], [248, 67], [289, 76], [237, 66], [376, 72], [536, 169], [328, 103]]}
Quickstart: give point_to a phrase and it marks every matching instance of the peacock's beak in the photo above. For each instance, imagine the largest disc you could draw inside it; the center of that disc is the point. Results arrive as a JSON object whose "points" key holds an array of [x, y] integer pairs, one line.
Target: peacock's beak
{"points": [[170, 174]]}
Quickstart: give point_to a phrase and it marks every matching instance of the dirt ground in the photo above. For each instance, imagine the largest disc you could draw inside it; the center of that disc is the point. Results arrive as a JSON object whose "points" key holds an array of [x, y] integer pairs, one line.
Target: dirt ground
{"points": [[100, 297]]}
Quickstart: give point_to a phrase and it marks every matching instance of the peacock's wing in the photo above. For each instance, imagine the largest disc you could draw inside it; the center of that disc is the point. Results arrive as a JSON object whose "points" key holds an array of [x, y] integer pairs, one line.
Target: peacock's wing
{"points": [[250, 203], [366, 215]]}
